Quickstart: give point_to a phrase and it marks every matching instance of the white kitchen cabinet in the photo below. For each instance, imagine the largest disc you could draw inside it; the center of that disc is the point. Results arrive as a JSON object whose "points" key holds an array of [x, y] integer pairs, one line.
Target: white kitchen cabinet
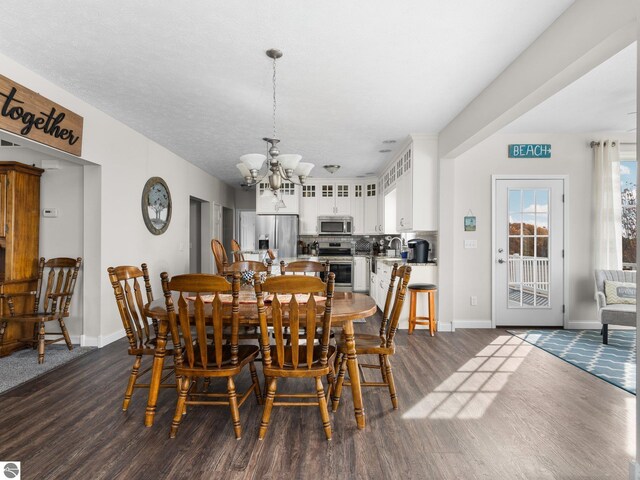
{"points": [[361, 268], [404, 203], [373, 291], [308, 223], [334, 198], [357, 209], [267, 203], [413, 174], [370, 222], [380, 193]]}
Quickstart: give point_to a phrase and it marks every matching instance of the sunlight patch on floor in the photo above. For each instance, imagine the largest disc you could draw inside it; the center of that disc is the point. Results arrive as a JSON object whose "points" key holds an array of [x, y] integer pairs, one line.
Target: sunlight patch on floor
{"points": [[468, 392], [631, 426]]}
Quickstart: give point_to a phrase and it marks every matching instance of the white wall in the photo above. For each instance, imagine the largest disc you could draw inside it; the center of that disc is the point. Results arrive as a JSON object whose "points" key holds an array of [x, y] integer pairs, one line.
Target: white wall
{"points": [[469, 177], [126, 159]]}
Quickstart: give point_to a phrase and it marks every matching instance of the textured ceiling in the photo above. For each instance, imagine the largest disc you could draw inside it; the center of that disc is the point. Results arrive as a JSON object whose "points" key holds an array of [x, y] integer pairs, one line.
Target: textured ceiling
{"points": [[193, 75], [604, 99]]}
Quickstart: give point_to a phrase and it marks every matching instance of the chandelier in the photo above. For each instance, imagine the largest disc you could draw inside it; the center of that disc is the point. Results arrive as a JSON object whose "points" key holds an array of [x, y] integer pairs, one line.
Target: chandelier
{"points": [[280, 166]]}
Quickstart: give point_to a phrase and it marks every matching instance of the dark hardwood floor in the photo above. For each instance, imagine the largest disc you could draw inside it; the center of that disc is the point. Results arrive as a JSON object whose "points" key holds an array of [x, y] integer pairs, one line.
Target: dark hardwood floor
{"points": [[473, 404]]}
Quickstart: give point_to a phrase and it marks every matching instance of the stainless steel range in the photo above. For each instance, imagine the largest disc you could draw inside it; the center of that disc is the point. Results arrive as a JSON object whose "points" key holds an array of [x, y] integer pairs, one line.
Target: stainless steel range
{"points": [[340, 257]]}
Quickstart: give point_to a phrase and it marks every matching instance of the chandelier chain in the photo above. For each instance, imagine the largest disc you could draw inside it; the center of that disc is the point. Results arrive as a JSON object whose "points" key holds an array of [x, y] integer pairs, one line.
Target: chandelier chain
{"points": [[274, 98]]}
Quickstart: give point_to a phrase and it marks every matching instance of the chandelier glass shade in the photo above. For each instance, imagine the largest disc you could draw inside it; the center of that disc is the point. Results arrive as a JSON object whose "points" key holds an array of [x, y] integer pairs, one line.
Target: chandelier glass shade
{"points": [[280, 167]]}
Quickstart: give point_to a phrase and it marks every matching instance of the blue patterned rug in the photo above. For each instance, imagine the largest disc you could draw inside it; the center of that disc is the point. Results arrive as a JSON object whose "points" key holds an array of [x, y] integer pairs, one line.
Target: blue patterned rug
{"points": [[614, 363]]}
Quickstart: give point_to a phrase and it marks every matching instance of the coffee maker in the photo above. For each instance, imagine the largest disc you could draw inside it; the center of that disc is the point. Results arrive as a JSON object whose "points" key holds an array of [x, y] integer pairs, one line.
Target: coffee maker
{"points": [[418, 251]]}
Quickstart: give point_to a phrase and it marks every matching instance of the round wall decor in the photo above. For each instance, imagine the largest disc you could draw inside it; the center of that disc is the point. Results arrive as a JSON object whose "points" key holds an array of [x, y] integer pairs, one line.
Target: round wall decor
{"points": [[156, 205]]}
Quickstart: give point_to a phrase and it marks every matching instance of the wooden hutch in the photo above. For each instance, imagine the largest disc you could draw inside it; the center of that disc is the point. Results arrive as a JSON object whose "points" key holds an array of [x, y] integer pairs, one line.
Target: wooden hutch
{"points": [[19, 241]]}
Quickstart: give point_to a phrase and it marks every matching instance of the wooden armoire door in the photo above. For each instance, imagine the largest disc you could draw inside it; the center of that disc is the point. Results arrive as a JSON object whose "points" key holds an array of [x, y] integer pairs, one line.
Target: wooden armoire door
{"points": [[19, 241]]}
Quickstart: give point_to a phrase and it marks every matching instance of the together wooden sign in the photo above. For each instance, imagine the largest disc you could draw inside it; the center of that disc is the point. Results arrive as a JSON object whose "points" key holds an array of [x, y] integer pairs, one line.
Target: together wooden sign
{"points": [[26, 113]]}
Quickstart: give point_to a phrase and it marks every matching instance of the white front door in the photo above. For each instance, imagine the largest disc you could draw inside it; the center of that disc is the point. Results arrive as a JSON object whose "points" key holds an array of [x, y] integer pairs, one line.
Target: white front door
{"points": [[528, 268]]}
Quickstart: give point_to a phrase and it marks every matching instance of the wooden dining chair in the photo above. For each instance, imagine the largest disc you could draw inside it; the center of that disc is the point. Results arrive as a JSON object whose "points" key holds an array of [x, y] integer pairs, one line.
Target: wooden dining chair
{"points": [[247, 266], [141, 331], [237, 251], [293, 304], [219, 254], [207, 354], [271, 255], [304, 267], [381, 345], [51, 300]]}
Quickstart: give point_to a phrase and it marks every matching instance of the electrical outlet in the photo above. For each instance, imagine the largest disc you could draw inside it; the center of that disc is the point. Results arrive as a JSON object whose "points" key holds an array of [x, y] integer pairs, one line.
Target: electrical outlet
{"points": [[474, 300]]}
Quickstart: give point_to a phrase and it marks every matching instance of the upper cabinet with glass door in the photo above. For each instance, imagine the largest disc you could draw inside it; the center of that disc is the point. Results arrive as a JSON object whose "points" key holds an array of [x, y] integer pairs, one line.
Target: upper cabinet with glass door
{"points": [[334, 198]]}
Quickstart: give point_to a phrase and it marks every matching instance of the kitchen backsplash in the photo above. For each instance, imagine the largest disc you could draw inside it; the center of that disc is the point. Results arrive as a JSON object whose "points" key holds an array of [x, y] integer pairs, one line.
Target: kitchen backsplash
{"points": [[431, 237]]}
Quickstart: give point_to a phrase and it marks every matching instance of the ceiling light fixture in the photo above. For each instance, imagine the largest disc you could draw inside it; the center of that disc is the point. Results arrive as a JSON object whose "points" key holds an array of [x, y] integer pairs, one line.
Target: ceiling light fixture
{"points": [[331, 168], [280, 166]]}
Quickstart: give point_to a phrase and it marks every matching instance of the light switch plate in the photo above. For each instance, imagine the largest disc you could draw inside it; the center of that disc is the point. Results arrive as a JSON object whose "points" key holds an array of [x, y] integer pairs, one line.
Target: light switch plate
{"points": [[470, 244]]}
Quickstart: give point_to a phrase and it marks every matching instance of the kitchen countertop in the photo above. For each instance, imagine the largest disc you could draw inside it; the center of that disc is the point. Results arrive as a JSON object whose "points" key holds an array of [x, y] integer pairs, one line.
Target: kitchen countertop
{"points": [[400, 261]]}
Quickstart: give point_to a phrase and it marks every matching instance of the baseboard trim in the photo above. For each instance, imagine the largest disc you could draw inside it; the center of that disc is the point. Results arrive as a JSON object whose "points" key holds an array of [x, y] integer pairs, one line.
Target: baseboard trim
{"points": [[472, 323], [101, 341], [105, 340], [583, 325]]}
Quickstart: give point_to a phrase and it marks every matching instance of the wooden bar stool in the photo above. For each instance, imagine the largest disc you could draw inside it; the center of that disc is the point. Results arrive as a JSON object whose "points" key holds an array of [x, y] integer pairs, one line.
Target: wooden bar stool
{"points": [[430, 289]]}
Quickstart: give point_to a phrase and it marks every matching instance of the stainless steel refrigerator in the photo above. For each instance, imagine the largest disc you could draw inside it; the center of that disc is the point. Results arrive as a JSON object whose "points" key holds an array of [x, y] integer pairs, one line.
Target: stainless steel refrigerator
{"points": [[282, 232]]}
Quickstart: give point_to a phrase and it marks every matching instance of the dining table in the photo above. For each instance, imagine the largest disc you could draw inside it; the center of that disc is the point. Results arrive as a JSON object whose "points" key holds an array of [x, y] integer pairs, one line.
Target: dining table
{"points": [[346, 307]]}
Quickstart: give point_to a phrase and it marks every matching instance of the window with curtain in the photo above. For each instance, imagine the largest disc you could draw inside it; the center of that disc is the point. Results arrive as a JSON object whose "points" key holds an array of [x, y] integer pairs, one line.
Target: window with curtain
{"points": [[628, 172]]}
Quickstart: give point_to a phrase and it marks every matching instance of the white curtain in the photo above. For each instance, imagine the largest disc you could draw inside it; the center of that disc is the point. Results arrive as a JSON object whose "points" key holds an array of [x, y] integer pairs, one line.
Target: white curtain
{"points": [[607, 226]]}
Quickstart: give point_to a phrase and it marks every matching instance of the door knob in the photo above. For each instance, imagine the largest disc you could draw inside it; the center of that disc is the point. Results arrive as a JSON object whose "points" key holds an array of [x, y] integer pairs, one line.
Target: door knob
{"points": [[500, 260]]}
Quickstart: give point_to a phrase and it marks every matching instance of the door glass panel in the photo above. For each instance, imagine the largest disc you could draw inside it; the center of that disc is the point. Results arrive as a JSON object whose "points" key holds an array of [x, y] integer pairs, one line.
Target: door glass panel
{"points": [[528, 240], [515, 224], [514, 246]]}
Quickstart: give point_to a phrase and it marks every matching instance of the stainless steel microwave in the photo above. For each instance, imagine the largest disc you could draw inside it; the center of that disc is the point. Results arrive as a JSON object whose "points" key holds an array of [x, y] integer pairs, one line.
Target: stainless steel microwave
{"points": [[335, 225]]}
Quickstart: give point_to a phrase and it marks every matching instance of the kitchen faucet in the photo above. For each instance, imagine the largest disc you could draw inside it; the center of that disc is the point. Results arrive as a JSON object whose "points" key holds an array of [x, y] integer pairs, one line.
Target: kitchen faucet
{"points": [[401, 243]]}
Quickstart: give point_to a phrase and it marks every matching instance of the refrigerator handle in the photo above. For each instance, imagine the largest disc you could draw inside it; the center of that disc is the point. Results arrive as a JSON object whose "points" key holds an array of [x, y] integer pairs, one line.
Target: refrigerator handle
{"points": [[275, 233]]}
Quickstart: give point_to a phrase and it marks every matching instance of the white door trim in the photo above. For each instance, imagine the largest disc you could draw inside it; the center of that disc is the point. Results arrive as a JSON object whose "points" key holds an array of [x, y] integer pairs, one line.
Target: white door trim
{"points": [[565, 179]]}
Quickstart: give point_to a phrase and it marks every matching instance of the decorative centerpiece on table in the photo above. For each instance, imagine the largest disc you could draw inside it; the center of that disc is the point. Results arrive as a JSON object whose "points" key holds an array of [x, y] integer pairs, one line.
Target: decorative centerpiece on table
{"points": [[247, 277]]}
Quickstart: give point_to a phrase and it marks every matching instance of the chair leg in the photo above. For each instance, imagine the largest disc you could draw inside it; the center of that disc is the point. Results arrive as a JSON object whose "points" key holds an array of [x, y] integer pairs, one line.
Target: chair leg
{"points": [[180, 404], [605, 334], [391, 383], [324, 412], [412, 311], [132, 381], [335, 400], [41, 343], [383, 369], [268, 405], [256, 383], [432, 314], [233, 403], [331, 380], [36, 333], [65, 334]]}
